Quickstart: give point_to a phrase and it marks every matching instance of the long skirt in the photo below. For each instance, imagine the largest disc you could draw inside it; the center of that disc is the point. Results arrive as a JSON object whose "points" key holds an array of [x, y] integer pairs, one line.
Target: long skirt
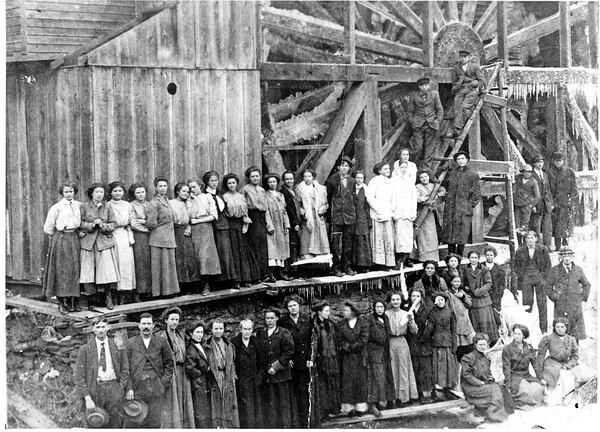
{"points": [[382, 243], [361, 251], [529, 393], [61, 276], [225, 252], [202, 414], [403, 235], [224, 410], [405, 384], [178, 410], [244, 261], [205, 249], [423, 368], [445, 367], [483, 321], [125, 260], [354, 379], [99, 267], [164, 271], [141, 258], [314, 242], [427, 239], [325, 395], [249, 404], [256, 238], [278, 405], [486, 397], [380, 381], [188, 269]]}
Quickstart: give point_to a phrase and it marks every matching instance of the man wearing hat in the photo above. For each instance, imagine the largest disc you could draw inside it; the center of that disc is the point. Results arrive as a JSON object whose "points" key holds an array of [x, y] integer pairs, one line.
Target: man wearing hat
{"points": [[463, 193], [342, 216], [463, 74], [564, 193], [569, 288], [425, 113], [526, 194], [541, 218], [101, 374]]}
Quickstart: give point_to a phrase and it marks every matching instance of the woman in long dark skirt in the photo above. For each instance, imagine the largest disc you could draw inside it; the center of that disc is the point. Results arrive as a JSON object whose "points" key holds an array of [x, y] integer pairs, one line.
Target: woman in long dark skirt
{"points": [[61, 275], [444, 340], [353, 340], [198, 370], [248, 372], [141, 236], [188, 270], [380, 377], [420, 344], [361, 245], [258, 213], [221, 229], [246, 266], [324, 364]]}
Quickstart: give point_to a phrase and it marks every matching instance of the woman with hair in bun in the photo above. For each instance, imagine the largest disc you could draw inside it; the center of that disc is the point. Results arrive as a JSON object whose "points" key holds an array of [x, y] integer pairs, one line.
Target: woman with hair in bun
{"points": [[198, 371], [278, 241], [99, 267], [203, 212], [444, 342], [324, 364], [381, 199], [61, 275], [258, 213], [188, 270], [361, 246], [221, 229], [453, 268], [160, 222], [427, 238], [313, 231], [123, 240], [246, 266], [141, 239], [430, 282]]}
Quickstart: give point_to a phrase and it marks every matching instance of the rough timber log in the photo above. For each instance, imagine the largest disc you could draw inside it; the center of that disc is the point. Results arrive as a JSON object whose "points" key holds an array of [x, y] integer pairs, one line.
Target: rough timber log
{"points": [[285, 46], [543, 27], [381, 10], [299, 103], [530, 142], [486, 22], [405, 14], [583, 128], [495, 126], [468, 12], [313, 28]]}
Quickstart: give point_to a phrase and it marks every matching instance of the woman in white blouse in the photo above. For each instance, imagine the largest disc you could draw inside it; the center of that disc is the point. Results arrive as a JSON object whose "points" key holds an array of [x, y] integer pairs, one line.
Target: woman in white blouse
{"points": [[381, 198], [405, 212]]}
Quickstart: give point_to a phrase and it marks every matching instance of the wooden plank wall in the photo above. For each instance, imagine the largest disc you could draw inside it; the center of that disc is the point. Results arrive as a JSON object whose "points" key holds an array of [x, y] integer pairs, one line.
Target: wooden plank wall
{"points": [[14, 38]]}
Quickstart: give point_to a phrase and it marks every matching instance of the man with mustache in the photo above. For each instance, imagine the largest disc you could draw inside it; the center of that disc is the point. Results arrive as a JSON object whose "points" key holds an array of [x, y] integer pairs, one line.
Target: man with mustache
{"points": [[151, 370]]}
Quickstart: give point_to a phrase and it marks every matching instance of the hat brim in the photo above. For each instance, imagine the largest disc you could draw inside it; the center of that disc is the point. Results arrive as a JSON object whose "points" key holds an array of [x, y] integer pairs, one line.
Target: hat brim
{"points": [[97, 412], [142, 416]]}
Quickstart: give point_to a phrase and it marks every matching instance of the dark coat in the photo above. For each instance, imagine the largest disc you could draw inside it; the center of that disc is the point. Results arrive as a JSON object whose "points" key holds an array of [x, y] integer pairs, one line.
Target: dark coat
{"points": [[420, 344], [431, 286], [292, 206], [526, 193], [275, 351], [475, 371], [564, 187], [463, 194], [354, 360], [158, 355], [462, 78], [443, 327], [561, 352], [541, 259], [546, 201], [86, 369], [160, 223], [363, 213], [380, 375], [341, 200], [478, 284], [301, 333], [567, 291], [198, 370], [102, 235], [515, 365], [249, 376], [498, 276], [425, 107]]}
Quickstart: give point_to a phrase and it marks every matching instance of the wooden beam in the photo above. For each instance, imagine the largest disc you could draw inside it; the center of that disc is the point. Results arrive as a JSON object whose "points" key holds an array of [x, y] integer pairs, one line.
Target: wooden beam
{"points": [[406, 15], [528, 139], [468, 12], [398, 129], [350, 30], [583, 128], [348, 73], [561, 121], [564, 34], [46, 308], [477, 229], [486, 20], [502, 31], [27, 413], [428, 35], [438, 15], [527, 75], [296, 147], [452, 10], [594, 18], [375, 7], [299, 103], [543, 27], [341, 127], [285, 46], [494, 100], [313, 28], [369, 153]]}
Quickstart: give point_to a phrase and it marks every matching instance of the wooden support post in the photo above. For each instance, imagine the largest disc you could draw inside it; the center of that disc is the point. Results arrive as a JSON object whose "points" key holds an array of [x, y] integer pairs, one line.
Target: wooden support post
{"points": [[564, 32], [428, 34], [561, 121], [349, 31], [475, 153], [369, 153], [501, 22], [593, 18]]}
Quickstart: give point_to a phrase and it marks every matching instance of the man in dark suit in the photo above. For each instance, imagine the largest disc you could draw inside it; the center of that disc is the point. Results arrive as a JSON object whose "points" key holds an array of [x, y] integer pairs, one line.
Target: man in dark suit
{"points": [[532, 267], [564, 193], [425, 113], [101, 373], [541, 218], [342, 216], [150, 371], [292, 207]]}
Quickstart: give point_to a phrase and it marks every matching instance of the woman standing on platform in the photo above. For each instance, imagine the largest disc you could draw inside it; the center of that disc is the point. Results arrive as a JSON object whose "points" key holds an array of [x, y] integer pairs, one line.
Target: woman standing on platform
{"points": [[221, 229], [203, 211], [404, 213], [123, 240], [61, 275], [245, 264], [381, 200], [461, 302], [162, 241], [453, 268], [178, 410], [188, 270], [430, 282], [99, 267], [313, 231], [258, 213], [278, 242], [401, 322], [427, 238], [444, 340], [141, 237], [201, 377], [361, 246]]}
